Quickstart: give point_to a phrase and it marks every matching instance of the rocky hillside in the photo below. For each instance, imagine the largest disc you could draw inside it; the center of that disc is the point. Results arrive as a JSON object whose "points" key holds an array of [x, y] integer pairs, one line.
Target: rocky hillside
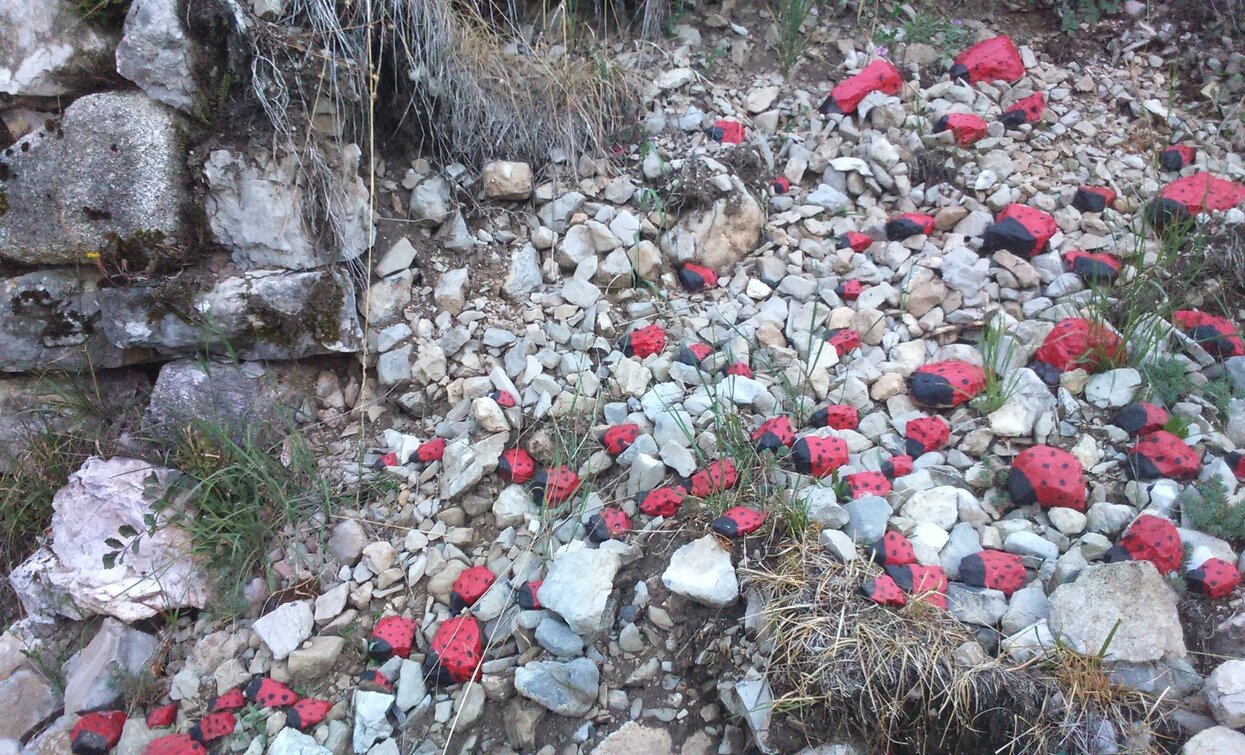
{"points": [[808, 378]]}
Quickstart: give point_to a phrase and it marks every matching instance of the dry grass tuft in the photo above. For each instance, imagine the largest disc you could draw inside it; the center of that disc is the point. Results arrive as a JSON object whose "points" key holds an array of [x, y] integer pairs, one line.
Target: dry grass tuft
{"points": [[845, 668]]}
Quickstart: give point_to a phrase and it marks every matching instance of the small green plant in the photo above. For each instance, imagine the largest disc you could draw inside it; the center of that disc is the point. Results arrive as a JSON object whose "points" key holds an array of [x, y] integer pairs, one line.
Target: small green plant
{"points": [[1206, 507], [998, 351], [109, 14], [1167, 379], [1178, 426], [1073, 13], [1219, 393], [789, 17], [925, 28]]}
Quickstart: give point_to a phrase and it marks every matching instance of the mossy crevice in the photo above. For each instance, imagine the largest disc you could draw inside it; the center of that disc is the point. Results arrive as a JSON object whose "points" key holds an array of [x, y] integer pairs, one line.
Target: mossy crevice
{"points": [[317, 318]]}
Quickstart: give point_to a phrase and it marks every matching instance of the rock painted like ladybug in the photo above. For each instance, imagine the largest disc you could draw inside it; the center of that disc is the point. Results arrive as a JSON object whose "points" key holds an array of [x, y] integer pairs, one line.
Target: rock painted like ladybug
{"points": [[1215, 578], [469, 587], [1161, 454], [945, 384], [967, 128], [1047, 476], [1174, 158], [1028, 110], [428, 451], [619, 438], [1077, 342], [897, 466], [456, 652], [993, 570], [229, 701], [1141, 418], [528, 595], [878, 76], [714, 478], [773, 434], [386, 460], [995, 59], [1098, 267], [267, 692], [1215, 334], [374, 680], [908, 224], [892, 549], [884, 592], [213, 727], [862, 484], [696, 278], [843, 340], [1149, 538], [1020, 229], [780, 184], [555, 485], [926, 434], [740, 369], [96, 732], [162, 716], [307, 713], [174, 744], [516, 465], [850, 290], [1093, 198], [1236, 460], [818, 456], [926, 583], [739, 521], [609, 523], [505, 399], [836, 416], [392, 636], [663, 502], [693, 353], [854, 240], [727, 131], [644, 342], [1186, 197]]}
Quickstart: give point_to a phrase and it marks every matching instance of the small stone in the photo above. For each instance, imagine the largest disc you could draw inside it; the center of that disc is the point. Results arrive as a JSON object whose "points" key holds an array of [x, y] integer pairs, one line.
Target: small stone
{"points": [[1113, 388], [579, 587], [701, 571], [558, 639], [1225, 692], [508, 181], [285, 628], [567, 689], [449, 294]]}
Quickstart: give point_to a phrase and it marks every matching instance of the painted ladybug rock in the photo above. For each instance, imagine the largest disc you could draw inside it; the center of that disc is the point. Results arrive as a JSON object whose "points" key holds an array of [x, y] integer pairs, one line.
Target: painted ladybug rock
{"points": [[1098, 267], [392, 636], [469, 587], [995, 59], [663, 502], [1048, 476], [773, 434], [162, 717], [850, 290], [884, 592], [862, 484], [739, 369], [780, 184], [307, 713], [1093, 198], [456, 652], [897, 466], [1236, 460], [836, 416], [693, 353], [893, 548], [374, 680], [1174, 158], [843, 340], [230, 701], [270, 693], [428, 451], [926, 434], [1141, 418], [505, 399], [1020, 229], [967, 128], [727, 131], [946, 384], [386, 460], [926, 583], [909, 224], [1161, 454], [644, 342], [878, 76], [516, 465], [213, 727], [816, 456], [528, 596], [174, 744], [854, 240], [609, 523], [555, 485], [1215, 334], [1149, 538], [1028, 110], [1215, 578], [994, 570], [1184, 198], [619, 438], [97, 732], [694, 278], [739, 521], [714, 478], [1076, 342]]}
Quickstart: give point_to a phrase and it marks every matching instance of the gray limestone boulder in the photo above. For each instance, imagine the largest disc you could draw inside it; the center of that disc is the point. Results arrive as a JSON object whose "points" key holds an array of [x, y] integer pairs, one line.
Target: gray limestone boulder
{"points": [[46, 50], [156, 53]]}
